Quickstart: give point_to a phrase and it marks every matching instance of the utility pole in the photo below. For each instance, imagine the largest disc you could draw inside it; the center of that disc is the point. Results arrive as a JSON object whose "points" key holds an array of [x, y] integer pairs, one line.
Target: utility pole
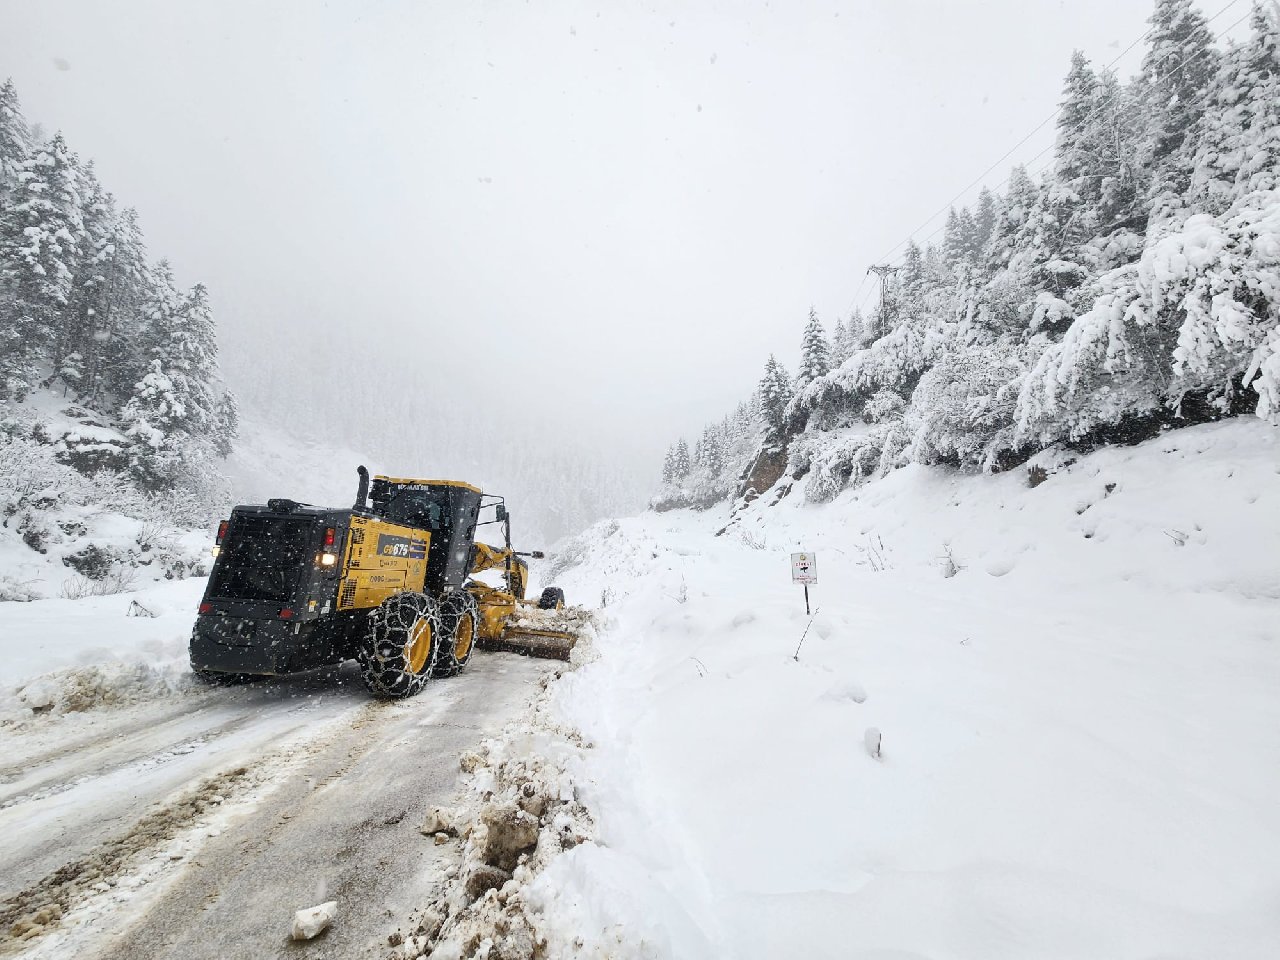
{"points": [[883, 271]]}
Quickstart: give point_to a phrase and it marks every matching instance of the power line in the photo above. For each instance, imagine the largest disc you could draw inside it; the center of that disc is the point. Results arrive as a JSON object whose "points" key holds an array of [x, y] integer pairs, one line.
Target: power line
{"points": [[854, 303], [948, 205], [1094, 112]]}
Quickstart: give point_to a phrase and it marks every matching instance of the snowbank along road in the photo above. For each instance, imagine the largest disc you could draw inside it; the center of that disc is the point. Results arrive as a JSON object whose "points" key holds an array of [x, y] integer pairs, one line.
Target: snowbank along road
{"points": [[194, 826]]}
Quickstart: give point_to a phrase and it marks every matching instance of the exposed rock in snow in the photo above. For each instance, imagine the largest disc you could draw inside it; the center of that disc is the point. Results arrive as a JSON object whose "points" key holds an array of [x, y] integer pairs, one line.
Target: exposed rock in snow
{"points": [[311, 922], [509, 833], [439, 820], [483, 877]]}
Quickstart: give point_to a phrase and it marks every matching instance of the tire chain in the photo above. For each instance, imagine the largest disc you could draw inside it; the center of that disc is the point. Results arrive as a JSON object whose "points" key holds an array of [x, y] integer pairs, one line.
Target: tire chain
{"points": [[454, 608], [384, 660]]}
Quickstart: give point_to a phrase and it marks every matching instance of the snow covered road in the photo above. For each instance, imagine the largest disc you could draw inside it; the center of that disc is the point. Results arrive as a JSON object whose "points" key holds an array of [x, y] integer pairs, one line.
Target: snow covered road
{"points": [[195, 825]]}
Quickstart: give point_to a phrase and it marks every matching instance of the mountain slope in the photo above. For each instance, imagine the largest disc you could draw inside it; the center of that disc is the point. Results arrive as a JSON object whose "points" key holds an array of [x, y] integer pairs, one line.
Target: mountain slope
{"points": [[1073, 684]]}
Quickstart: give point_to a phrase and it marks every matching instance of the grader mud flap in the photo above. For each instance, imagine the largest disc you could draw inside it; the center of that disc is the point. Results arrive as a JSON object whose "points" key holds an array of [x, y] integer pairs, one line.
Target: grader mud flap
{"points": [[533, 642]]}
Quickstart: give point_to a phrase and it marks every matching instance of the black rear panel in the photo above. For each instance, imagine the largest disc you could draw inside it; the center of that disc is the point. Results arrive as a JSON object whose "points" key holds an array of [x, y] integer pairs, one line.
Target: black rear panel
{"points": [[263, 558]]}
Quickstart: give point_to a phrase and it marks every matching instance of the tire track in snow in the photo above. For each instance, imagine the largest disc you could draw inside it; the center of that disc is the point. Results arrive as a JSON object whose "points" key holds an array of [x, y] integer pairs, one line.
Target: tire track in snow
{"points": [[342, 825], [166, 755], [155, 844], [138, 719], [151, 757], [25, 744]]}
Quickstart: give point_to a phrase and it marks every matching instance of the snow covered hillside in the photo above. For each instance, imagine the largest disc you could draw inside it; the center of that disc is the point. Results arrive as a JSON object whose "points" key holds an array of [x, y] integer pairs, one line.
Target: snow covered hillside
{"points": [[1073, 686], [70, 527], [69, 533], [1132, 285]]}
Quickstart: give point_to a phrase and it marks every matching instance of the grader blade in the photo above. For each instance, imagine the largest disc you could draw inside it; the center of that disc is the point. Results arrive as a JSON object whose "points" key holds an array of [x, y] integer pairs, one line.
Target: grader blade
{"points": [[532, 642], [537, 632]]}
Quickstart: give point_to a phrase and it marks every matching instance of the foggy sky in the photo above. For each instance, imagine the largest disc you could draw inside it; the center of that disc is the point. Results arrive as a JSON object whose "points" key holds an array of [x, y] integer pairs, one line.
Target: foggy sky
{"points": [[620, 209]]}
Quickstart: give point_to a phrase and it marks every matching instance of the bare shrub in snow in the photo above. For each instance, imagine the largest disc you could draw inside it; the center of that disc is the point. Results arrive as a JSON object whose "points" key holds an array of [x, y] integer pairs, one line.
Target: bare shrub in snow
{"points": [[77, 588], [573, 551], [948, 563], [120, 579], [151, 534], [93, 562], [873, 553]]}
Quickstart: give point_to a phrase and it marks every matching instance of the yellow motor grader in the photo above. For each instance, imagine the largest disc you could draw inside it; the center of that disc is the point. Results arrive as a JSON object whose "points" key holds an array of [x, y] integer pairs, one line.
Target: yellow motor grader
{"points": [[390, 583]]}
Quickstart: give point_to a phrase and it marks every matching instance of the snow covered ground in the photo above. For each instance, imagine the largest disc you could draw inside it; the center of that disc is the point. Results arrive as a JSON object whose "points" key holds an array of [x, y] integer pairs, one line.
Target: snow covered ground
{"points": [[63, 656], [1075, 685]]}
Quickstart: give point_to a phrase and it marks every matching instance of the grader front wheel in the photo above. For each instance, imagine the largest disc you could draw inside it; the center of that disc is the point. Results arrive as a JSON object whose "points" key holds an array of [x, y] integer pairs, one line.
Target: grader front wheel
{"points": [[401, 645], [552, 599]]}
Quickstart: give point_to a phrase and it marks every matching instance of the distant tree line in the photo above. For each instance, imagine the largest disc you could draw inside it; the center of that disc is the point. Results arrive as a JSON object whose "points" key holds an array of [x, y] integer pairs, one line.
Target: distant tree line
{"points": [[85, 315], [1131, 286]]}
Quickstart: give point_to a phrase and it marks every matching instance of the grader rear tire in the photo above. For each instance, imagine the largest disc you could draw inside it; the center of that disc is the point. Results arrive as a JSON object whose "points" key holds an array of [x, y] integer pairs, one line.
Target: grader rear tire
{"points": [[460, 617], [401, 645]]}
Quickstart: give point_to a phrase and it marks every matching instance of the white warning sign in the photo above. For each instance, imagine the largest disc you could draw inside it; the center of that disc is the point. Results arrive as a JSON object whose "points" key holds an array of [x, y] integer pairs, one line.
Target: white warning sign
{"points": [[804, 568]]}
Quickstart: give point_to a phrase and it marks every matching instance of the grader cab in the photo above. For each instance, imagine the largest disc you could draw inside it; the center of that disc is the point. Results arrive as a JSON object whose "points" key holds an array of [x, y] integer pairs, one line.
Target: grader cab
{"points": [[389, 582]]}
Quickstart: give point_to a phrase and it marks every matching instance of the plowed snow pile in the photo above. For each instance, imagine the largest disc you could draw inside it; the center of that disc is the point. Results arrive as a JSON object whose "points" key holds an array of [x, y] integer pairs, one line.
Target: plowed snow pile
{"points": [[65, 656], [1075, 685]]}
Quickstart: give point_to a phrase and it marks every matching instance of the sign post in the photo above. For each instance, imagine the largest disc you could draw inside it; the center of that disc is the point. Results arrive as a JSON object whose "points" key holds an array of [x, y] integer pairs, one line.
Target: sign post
{"points": [[804, 569]]}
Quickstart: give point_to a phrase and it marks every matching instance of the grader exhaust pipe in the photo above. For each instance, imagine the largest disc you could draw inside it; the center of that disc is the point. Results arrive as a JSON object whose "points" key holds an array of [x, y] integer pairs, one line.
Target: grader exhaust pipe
{"points": [[362, 490]]}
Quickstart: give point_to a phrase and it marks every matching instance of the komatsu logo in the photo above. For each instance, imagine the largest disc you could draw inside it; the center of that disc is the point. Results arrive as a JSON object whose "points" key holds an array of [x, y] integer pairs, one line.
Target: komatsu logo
{"points": [[404, 548]]}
